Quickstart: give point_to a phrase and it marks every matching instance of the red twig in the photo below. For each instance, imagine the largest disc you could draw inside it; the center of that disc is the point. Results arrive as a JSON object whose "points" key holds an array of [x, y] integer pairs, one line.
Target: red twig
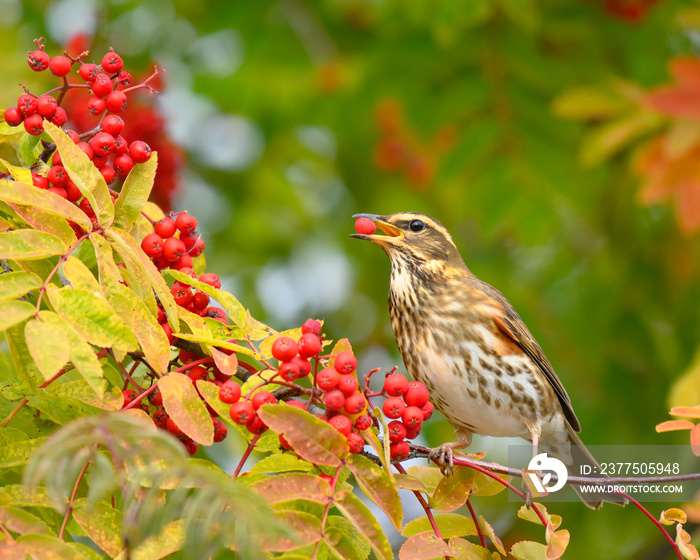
{"points": [[144, 84], [476, 523], [72, 500], [248, 451], [334, 483]]}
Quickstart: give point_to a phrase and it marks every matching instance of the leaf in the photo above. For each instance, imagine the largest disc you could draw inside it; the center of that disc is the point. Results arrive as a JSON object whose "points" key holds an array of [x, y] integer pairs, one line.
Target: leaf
{"points": [[80, 276], [450, 525], [82, 392], [29, 149], [695, 440], [84, 174], [452, 491], [377, 486], [91, 315], [361, 517], [344, 540], [39, 220], [22, 496], [429, 477], [296, 486], [588, 103], [306, 530], [488, 530], [48, 346], [226, 363], [21, 358], [234, 309], [183, 405], [529, 550], [424, 546], [556, 543], [17, 453], [46, 547], [25, 244], [169, 540], [673, 515], [407, 482], [689, 411], [311, 438], [19, 174], [102, 523], [13, 312], [246, 350], [134, 194], [672, 425], [469, 551], [529, 514], [22, 522], [48, 202], [683, 543], [281, 462], [16, 284]]}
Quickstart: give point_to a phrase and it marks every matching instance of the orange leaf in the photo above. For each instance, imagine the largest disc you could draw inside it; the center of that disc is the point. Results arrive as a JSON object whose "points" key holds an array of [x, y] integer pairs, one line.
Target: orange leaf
{"points": [[675, 102], [227, 364], [689, 411], [672, 425], [424, 546], [686, 71], [688, 206], [695, 440], [293, 486], [183, 405], [673, 515], [557, 542]]}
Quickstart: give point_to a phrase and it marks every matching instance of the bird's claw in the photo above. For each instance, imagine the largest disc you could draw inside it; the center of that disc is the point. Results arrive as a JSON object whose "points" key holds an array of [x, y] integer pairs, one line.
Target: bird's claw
{"points": [[444, 456]]}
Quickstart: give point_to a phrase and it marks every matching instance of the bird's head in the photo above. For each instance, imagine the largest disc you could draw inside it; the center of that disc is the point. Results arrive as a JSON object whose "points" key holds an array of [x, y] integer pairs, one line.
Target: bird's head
{"points": [[412, 236]]}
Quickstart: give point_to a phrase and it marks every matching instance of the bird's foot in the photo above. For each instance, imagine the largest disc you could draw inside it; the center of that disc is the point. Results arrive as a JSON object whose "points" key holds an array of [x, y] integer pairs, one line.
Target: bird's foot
{"points": [[444, 454]]}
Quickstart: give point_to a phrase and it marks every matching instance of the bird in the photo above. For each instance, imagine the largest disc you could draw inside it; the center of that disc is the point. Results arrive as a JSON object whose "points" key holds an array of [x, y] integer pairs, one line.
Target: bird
{"points": [[462, 338]]}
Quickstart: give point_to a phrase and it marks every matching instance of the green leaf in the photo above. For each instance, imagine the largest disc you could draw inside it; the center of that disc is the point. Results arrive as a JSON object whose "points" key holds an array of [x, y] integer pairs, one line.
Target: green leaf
{"points": [[169, 540], [29, 149], [281, 462], [468, 550], [45, 547], [102, 523], [82, 392], [45, 222], [91, 315], [529, 550], [523, 13], [452, 491], [234, 309], [306, 530], [491, 534], [21, 521], [183, 405], [344, 540], [25, 244], [80, 276], [588, 103], [21, 357], [246, 350], [424, 546], [21, 496], [450, 525], [134, 194], [19, 174], [361, 517], [377, 486], [293, 486], [13, 312], [16, 284], [312, 439], [17, 453], [84, 174], [48, 346], [28, 195]]}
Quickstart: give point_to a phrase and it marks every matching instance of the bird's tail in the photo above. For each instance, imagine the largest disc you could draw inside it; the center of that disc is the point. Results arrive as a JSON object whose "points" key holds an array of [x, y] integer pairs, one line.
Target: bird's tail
{"points": [[575, 457]]}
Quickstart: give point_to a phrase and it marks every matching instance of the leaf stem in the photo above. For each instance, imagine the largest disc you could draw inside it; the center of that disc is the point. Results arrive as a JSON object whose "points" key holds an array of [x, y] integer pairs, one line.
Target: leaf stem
{"points": [[333, 483], [72, 500], [482, 540], [248, 451]]}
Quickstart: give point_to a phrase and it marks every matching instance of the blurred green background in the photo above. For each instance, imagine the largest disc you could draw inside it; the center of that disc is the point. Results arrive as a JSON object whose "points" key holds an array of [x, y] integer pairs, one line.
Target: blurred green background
{"points": [[293, 115]]}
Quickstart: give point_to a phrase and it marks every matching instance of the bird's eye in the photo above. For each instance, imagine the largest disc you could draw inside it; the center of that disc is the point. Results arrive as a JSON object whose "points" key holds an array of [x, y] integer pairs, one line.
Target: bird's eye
{"points": [[416, 225]]}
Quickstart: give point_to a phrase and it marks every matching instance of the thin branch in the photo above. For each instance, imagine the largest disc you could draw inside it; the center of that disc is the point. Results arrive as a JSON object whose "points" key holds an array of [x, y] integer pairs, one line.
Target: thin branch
{"points": [[248, 451], [72, 500], [482, 540], [333, 483]]}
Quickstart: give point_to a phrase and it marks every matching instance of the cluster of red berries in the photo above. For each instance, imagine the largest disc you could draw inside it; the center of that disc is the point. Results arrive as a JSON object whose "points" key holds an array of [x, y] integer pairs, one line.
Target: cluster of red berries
{"points": [[408, 407], [104, 143], [174, 242]]}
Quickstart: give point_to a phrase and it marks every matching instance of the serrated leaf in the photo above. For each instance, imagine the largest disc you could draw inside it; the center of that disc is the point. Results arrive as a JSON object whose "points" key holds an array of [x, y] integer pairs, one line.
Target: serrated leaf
{"points": [[102, 523], [424, 546], [293, 486], [82, 392], [452, 491], [14, 312], [470, 551], [484, 485], [135, 192], [16, 454], [377, 486], [25, 244], [22, 522], [488, 530], [280, 463], [91, 315], [80, 276], [169, 540], [361, 517], [557, 542], [20, 174], [311, 438], [213, 342], [407, 482], [183, 405], [46, 547], [450, 525], [21, 496], [344, 540], [16, 284], [306, 528], [45, 222], [529, 550], [48, 346], [84, 174], [21, 358], [234, 309], [48, 202]]}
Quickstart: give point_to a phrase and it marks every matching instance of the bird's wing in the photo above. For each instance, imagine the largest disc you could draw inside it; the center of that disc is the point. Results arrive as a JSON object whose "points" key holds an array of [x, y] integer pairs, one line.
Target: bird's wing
{"points": [[513, 328]]}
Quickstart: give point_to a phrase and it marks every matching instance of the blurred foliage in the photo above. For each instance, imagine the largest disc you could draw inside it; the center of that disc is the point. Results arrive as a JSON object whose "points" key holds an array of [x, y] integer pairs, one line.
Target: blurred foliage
{"points": [[296, 114]]}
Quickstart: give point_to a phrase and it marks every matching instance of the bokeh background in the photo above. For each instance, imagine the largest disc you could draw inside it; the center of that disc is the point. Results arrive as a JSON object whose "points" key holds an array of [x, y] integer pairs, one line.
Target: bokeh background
{"points": [[558, 140]]}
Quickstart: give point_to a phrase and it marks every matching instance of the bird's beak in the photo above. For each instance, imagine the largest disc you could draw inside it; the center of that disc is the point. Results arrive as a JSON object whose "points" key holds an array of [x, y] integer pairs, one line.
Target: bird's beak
{"points": [[391, 232]]}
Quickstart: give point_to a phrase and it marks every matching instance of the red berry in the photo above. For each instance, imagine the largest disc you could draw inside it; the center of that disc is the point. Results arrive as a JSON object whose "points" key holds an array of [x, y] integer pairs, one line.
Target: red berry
{"points": [[341, 423], [334, 400], [56, 158], [347, 384], [296, 404], [112, 62], [168, 332], [215, 313], [417, 394], [289, 371], [356, 443], [355, 403], [284, 443], [393, 407], [85, 207], [220, 430], [309, 345], [72, 134], [38, 60], [108, 173], [412, 433], [327, 379], [363, 422], [102, 144], [304, 365], [197, 372], [116, 101], [191, 446], [311, 326], [412, 417], [60, 191], [40, 181], [328, 478], [160, 419], [124, 78], [185, 261], [173, 248], [395, 385], [173, 428], [198, 248], [189, 240], [230, 392], [165, 227], [26, 104], [186, 357], [13, 116], [46, 106], [365, 226], [345, 362], [34, 124], [99, 161], [60, 117], [181, 294], [129, 396], [101, 85], [186, 223], [152, 245], [139, 151], [263, 397], [156, 397], [73, 192], [60, 66], [213, 280], [58, 176], [87, 150], [255, 425], [284, 349], [220, 375], [241, 412], [200, 300], [123, 164], [113, 124], [96, 106], [399, 450], [120, 145], [427, 410], [88, 72], [397, 431]]}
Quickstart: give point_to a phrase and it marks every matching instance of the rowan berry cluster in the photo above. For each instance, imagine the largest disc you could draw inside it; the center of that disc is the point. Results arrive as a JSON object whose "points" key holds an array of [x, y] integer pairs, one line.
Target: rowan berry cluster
{"points": [[174, 242], [104, 144]]}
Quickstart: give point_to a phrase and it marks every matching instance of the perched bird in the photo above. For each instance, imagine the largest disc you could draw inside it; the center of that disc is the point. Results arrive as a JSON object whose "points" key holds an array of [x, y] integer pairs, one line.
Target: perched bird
{"points": [[462, 338]]}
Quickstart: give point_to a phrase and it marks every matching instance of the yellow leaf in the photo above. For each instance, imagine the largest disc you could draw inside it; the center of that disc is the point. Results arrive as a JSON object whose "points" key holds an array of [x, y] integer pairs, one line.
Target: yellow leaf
{"points": [[183, 405], [673, 515]]}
